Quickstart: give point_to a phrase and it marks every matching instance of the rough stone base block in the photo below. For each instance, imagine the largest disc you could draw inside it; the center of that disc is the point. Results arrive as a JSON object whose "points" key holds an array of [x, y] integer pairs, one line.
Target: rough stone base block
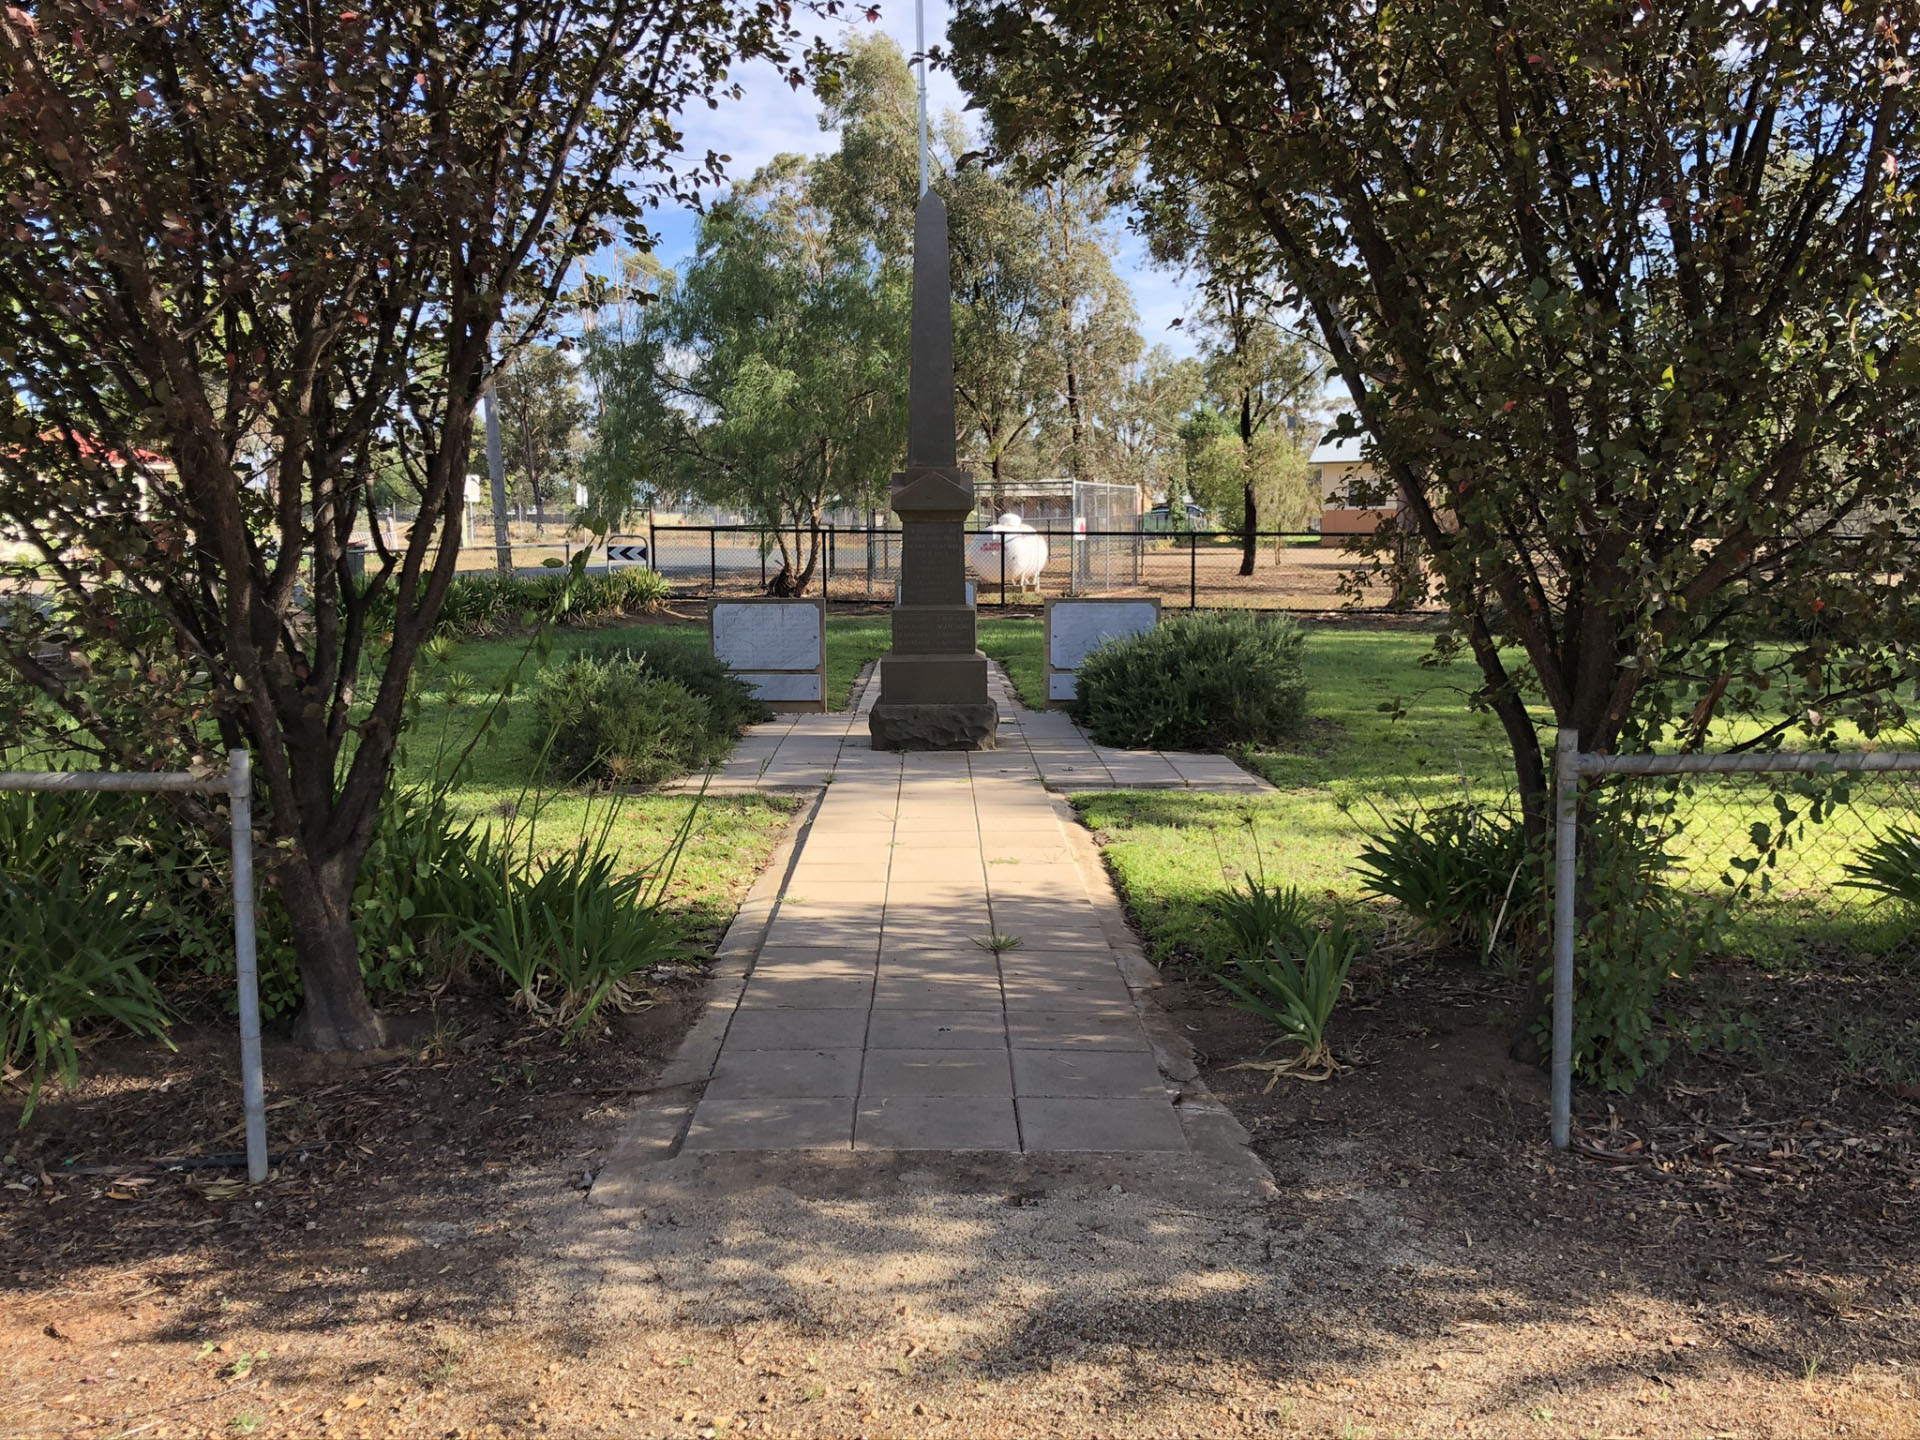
{"points": [[934, 727]]}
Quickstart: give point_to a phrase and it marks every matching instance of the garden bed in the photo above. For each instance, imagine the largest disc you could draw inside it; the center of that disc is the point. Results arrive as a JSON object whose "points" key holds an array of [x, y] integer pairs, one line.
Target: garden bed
{"points": [[1728, 1248]]}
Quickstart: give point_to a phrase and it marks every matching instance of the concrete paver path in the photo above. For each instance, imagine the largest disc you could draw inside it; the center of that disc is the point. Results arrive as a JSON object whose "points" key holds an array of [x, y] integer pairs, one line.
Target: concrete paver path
{"points": [[893, 1135], [944, 966], [803, 752]]}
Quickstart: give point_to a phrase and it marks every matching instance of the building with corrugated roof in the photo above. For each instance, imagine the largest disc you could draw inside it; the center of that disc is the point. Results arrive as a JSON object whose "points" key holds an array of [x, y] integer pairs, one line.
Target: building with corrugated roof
{"points": [[1353, 499]]}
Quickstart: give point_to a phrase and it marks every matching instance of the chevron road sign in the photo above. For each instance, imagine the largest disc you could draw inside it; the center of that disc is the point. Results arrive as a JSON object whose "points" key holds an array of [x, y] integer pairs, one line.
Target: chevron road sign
{"points": [[633, 554]]}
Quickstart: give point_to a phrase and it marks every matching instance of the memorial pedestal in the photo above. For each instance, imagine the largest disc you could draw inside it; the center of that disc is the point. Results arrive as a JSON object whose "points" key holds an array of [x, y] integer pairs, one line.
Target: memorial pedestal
{"points": [[933, 683]]}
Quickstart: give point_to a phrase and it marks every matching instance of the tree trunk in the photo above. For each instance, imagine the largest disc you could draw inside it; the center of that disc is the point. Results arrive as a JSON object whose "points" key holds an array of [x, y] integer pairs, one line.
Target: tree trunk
{"points": [[1075, 425], [813, 559], [1250, 521], [1536, 823], [334, 1011]]}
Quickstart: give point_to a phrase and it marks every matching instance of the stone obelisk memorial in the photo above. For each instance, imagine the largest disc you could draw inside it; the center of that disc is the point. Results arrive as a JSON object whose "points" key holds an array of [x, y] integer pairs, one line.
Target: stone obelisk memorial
{"points": [[933, 683]]}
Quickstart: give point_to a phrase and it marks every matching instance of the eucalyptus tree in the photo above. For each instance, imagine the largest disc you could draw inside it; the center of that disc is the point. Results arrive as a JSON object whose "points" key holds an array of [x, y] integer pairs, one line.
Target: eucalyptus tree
{"points": [[623, 340], [1096, 331], [1144, 418], [772, 376], [1264, 375], [541, 414], [1009, 374], [798, 382], [256, 260]]}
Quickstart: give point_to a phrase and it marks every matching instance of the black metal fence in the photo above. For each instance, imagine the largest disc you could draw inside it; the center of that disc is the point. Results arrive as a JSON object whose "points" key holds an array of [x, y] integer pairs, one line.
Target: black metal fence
{"points": [[1293, 570]]}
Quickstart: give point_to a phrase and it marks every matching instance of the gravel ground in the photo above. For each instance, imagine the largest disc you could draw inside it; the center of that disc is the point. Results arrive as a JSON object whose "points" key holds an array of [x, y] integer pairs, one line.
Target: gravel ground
{"points": [[1395, 1282]]}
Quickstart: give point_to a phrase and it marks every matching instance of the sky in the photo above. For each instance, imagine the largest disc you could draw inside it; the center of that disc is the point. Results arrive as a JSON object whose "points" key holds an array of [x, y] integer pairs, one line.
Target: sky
{"points": [[771, 119]]}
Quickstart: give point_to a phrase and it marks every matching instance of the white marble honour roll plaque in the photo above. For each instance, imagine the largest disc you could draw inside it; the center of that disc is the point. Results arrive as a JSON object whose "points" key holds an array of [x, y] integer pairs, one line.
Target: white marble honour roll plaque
{"points": [[1076, 628], [777, 647]]}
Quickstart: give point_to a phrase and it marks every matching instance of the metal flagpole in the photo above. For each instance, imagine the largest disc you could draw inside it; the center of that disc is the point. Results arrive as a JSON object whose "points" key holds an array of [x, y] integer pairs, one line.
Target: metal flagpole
{"points": [[920, 39]]}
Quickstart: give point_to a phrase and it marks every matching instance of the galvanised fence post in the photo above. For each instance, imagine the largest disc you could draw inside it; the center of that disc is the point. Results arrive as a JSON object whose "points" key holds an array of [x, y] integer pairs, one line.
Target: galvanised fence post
{"points": [[253, 1094], [1566, 841]]}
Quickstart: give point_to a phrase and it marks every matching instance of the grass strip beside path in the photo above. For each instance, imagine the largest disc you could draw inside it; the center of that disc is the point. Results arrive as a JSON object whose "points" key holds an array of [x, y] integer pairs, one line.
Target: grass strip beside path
{"points": [[732, 837], [1172, 852]]}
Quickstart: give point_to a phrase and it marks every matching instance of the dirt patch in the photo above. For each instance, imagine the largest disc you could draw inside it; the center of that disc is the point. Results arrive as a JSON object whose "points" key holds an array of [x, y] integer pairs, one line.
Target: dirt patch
{"points": [[146, 1289], [1728, 1251], [1722, 1257]]}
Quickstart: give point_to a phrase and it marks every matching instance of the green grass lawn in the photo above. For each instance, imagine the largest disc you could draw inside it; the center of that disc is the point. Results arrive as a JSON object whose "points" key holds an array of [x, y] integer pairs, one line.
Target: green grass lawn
{"points": [[732, 835], [1172, 852], [1019, 646], [1387, 734], [854, 641]]}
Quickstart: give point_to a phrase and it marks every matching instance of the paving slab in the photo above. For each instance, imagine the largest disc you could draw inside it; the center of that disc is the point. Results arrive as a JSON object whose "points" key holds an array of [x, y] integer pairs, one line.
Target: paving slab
{"points": [[929, 992], [788, 1074], [721, 1124], [935, 1072], [937, 1030], [772, 989], [1110, 1123], [1109, 1029], [1083, 1073], [1063, 992], [796, 1030], [936, 1123]]}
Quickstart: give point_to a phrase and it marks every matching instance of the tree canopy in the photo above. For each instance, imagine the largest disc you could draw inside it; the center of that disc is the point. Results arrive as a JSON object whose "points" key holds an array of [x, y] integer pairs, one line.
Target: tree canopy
{"points": [[253, 279], [1623, 294], [770, 377], [541, 414]]}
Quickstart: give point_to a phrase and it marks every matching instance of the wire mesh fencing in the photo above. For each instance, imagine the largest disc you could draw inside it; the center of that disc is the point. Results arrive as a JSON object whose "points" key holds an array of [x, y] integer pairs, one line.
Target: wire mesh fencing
{"points": [[1802, 869]]}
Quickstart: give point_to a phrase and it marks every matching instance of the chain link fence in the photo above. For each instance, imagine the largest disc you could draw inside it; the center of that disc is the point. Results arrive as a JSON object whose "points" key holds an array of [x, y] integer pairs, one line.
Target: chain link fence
{"points": [[1801, 874]]}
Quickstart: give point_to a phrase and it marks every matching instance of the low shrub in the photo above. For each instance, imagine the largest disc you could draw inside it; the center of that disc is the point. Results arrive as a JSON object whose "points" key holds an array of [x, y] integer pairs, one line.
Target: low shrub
{"points": [[488, 603], [1464, 871], [413, 894], [1204, 681], [728, 697], [567, 932], [75, 943], [1636, 933], [613, 720], [1890, 866], [1257, 916]]}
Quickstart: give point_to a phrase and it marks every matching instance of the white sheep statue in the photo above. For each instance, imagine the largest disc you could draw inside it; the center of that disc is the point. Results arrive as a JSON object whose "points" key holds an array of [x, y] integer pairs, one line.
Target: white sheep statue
{"points": [[1025, 551]]}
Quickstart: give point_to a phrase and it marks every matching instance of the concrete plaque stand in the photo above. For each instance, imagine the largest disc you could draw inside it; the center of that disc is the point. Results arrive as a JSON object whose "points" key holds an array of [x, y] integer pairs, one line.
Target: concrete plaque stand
{"points": [[933, 683]]}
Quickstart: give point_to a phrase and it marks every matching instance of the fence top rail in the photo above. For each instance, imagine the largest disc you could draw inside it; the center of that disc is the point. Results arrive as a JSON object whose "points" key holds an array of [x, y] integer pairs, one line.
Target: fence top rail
{"points": [[1777, 763], [220, 782], [1061, 525]]}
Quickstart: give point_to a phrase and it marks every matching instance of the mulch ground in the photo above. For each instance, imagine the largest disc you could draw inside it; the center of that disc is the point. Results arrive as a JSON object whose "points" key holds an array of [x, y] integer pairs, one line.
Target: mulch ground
{"points": [[1758, 1218]]}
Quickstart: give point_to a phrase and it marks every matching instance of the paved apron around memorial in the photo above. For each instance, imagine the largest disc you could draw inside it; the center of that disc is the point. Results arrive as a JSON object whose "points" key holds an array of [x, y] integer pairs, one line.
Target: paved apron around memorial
{"points": [[944, 967]]}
